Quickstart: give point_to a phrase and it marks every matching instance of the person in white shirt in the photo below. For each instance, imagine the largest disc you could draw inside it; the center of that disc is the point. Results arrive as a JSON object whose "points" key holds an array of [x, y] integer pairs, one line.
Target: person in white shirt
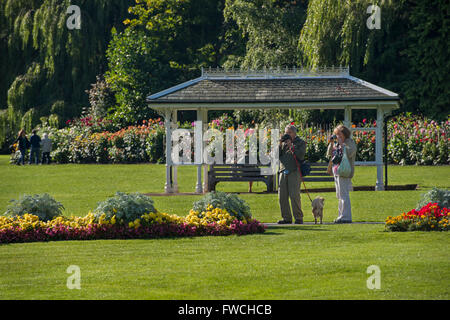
{"points": [[46, 147]]}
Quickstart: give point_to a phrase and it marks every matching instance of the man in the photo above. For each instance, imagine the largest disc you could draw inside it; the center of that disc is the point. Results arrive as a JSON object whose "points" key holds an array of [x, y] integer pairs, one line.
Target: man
{"points": [[35, 142], [289, 182], [46, 145]]}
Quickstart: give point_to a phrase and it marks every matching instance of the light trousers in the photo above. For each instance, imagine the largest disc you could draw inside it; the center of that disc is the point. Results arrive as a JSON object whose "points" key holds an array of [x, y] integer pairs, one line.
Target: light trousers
{"points": [[343, 188]]}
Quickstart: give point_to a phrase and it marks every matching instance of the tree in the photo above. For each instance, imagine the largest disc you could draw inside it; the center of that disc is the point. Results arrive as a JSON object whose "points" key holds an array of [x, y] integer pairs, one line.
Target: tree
{"points": [[271, 29], [405, 55], [166, 43], [43, 62]]}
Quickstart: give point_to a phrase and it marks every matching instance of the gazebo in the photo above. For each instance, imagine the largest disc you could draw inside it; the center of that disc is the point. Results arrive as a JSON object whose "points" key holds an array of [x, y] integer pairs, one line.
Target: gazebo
{"points": [[294, 88]]}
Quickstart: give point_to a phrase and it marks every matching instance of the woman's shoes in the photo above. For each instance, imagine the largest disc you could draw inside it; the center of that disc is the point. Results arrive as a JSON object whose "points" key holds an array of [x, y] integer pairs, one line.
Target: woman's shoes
{"points": [[284, 222], [342, 221]]}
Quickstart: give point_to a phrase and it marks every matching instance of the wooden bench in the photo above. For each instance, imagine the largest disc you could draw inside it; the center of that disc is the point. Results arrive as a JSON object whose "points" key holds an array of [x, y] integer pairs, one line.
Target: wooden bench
{"points": [[237, 172], [318, 173], [247, 172]]}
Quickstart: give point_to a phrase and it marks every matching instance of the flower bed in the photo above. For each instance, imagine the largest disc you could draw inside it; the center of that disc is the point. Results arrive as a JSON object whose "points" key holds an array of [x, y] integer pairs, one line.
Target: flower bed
{"points": [[216, 222], [430, 217], [412, 140]]}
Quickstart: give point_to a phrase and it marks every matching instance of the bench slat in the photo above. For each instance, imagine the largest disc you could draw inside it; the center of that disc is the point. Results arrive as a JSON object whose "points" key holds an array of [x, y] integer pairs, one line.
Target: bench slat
{"points": [[246, 174], [240, 179], [235, 169], [306, 179]]}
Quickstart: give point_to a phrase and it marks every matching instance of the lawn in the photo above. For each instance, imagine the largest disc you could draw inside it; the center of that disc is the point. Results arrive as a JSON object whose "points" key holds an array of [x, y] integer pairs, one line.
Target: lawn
{"points": [[296, 262]]}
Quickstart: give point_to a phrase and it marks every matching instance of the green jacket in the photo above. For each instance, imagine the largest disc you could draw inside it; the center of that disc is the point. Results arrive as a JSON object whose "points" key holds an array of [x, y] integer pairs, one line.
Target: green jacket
{"points": [[287, 160]]}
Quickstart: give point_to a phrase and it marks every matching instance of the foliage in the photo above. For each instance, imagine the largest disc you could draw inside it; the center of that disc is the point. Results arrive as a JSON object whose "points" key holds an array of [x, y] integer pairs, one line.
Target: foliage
{"points": [[165, 43], [41, 205], [430, 217], [411, 140], [418, 140], [125, 207], [271, 29], [234, 205], [29, 228], [101, 99], [89, 141], [211, 215], [435, 195], [335, 33], [43, 62]]}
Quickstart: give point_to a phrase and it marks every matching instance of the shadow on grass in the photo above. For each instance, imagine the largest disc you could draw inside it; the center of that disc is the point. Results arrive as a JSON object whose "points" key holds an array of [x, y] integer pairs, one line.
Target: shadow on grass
{"points": [[298, 228]]}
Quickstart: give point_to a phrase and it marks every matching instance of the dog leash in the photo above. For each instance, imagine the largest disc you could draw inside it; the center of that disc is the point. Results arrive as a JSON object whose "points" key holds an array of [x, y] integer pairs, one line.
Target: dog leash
{"points": [[300, 171]]}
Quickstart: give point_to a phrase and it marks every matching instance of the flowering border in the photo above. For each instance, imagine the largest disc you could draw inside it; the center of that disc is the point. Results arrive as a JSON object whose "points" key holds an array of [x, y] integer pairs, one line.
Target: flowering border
{"points": [[28, 228], [430, 217]]}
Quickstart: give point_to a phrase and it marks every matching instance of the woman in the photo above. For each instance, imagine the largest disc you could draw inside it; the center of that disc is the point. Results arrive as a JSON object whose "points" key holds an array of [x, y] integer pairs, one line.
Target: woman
{"points": [[23, 145], [343, 185]]}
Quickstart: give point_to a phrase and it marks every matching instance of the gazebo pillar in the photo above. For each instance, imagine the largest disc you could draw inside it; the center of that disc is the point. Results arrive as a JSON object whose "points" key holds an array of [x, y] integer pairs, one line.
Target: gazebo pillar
{"points": [[205, 166], [379, 149], [174, 167], [168, 127], [198, 185], [348, 117]]}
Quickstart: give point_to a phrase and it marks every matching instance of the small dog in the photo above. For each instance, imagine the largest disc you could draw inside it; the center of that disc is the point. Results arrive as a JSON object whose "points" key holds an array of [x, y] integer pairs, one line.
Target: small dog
{"points": [[317, 209]]}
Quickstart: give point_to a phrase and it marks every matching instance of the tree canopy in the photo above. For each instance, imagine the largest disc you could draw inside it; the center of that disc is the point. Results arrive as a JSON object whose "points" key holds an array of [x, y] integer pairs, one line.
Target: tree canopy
{"points": [[408, 54], [141, 47]]}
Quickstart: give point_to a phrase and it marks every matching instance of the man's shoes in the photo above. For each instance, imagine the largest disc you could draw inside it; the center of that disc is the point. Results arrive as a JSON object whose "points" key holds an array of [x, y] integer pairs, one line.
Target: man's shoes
{"points": [[298, 222], [284, 222]]}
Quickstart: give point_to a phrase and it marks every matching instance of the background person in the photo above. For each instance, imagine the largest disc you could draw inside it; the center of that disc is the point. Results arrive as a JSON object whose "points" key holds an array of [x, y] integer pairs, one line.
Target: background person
{"points": [[23, 145], [35, 142], [341, 138], [289, 181], [46, 146]]}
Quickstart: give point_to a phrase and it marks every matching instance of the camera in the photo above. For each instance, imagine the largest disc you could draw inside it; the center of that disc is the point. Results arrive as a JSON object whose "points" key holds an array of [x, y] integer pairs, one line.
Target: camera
{"points": [[336, 159], [334, 137], [285, 137]]}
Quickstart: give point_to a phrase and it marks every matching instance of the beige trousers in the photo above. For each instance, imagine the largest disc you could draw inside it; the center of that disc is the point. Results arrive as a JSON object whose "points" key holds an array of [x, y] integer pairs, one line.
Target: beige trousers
{"points": [[289, 188]]}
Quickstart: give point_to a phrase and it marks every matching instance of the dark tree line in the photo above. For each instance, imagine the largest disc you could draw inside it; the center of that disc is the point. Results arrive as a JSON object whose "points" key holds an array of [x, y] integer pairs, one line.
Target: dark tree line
{"points": [[140, 47]]}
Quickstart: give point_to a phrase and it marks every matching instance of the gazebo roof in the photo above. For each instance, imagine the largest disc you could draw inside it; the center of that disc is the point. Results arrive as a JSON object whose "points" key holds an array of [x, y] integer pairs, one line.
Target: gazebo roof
{"points": [[281, 88]]}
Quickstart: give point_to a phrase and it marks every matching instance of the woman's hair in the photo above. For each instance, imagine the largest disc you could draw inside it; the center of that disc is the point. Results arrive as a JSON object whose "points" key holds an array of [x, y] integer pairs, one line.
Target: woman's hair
{"points": [[20, 132], [344, 130]]}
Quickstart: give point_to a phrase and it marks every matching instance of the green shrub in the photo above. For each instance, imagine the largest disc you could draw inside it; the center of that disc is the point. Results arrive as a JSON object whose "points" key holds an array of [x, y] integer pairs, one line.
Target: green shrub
{"points": [[126, 207], [440, 196], [231, 202], [41, 205]]}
